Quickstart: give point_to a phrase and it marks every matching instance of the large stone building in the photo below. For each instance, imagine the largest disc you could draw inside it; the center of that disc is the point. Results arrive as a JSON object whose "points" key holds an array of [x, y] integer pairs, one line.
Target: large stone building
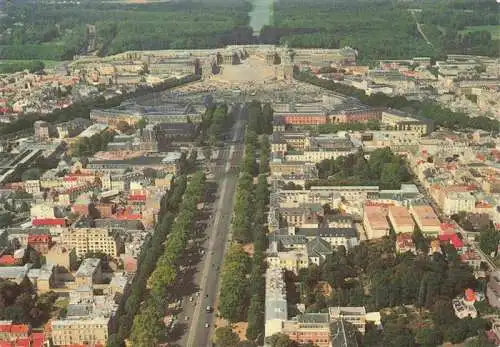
{"points": [[132, 113], [91, 331], [398, 120]]}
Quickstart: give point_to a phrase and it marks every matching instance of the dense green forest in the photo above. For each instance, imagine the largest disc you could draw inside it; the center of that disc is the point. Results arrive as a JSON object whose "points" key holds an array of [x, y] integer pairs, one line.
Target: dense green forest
{"points": [[378, 29], [385, 29], [31, 65], [372, 275], [444, 23], [57, 32], [383, 168]]}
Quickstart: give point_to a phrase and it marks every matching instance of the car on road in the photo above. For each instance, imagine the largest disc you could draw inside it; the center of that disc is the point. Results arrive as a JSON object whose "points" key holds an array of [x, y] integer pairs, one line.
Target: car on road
{"points": [[208, 308], [206, 325]]}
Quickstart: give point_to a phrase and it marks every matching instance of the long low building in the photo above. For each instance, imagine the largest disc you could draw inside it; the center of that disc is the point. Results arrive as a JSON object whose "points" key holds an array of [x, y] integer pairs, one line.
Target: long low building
{"points": [[276, 306], [426, 219], [132, 113], [301, 118], [169, 163]]}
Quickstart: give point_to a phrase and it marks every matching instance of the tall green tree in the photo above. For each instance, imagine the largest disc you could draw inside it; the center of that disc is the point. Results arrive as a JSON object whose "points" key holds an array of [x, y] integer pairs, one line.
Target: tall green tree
{"points": [[489, 240], [226, 337]]}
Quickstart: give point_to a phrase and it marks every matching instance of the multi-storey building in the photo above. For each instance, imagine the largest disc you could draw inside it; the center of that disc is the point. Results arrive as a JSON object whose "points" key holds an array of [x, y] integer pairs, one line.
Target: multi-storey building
{"points": [[40, 242], [276, 306], [426, 219], [309, 327], [455, 202], [131, 114], [375, 222], [42, 130], [398, 120], [89, 272], [32, 186], [90, 331], [400, 219], [354, 114], [354, 315], [302, 118], [85, 240]]}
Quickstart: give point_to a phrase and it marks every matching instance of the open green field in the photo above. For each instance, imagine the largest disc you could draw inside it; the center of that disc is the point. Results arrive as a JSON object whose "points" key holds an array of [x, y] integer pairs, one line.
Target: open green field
{"points": [[493, 29]]}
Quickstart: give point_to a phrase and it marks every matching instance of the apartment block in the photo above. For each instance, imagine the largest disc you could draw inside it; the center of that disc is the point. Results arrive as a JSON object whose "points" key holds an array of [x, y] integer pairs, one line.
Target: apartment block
{"points": [[80, 331], [398, 120], [455, 202], [309, 327], [89, 272], [85, 240], [400, 219], [426, 219], [375, 222]]}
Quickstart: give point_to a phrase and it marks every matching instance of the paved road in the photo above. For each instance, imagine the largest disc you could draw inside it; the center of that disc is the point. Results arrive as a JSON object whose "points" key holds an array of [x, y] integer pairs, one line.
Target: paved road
{"points": [[205, 274]]}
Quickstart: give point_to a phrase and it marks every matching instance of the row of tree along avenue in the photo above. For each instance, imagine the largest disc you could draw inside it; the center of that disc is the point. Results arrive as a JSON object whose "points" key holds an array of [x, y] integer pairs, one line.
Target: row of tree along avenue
{"points": [[243, 283], [148, 327], [141, 314]]}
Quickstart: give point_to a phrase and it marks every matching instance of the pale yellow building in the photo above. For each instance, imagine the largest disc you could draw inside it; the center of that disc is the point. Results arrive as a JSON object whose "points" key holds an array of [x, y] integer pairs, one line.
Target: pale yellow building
{"points": [[80, 330], [398, 120], [292, 260], [165, 182], [58, 256], [85, 240]]}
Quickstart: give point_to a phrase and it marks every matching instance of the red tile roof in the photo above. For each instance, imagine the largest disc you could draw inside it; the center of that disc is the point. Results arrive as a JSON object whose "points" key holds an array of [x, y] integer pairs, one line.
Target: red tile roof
{"points": [[470, 255], [7, 259], [19, 329], [48, 221], [23, 342], [39, 238], [447, 228], [128, 216], [137, 197], [453, 239], [5, 328]]}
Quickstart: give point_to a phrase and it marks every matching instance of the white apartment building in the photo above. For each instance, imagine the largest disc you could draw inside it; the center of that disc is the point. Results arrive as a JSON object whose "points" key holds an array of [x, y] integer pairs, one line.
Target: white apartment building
{"points": [[455, 202], [276, 307], [32, 186], [354, 315]]}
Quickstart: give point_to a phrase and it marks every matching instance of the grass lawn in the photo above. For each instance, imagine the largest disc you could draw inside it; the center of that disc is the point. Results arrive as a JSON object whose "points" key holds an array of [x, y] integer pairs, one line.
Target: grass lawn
{"points": [[493, 29]]}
